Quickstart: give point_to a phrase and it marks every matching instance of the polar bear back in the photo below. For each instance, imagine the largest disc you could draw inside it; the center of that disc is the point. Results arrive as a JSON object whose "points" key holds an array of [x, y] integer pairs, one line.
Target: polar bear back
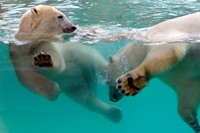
{"points": [[175, 29]]}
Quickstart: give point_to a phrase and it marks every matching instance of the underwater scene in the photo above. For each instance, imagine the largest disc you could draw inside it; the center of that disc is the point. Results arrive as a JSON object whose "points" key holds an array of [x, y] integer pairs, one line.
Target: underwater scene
{"points": [[153, 110]]}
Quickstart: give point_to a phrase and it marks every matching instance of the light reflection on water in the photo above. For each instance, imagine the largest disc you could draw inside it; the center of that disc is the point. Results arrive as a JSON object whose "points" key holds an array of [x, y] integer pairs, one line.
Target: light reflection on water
{"points": [[107, 13]]}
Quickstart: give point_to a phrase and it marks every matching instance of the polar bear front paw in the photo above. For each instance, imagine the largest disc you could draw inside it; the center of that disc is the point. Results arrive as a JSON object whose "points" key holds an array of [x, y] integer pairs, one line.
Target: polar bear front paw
{"points": [[131, 83], [53, 93], [42, 59], [50, 90]]}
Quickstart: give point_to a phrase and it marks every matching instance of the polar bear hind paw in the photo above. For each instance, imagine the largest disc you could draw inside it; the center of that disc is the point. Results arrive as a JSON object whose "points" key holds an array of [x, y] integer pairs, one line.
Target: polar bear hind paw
{"points": [[131, 84], [42, 59], [114, 114]]}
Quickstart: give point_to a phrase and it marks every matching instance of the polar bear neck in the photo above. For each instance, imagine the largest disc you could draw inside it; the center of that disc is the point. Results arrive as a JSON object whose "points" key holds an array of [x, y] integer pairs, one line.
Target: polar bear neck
{"points": [[122, 64]]}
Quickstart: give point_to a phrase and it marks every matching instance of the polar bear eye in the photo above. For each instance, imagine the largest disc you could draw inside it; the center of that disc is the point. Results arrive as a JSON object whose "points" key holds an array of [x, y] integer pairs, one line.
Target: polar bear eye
{"points": [[60, 16]]}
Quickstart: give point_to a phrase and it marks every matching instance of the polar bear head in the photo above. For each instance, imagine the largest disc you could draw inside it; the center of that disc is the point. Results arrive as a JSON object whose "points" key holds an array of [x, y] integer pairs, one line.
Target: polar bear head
{"points": [[43, 22], [113, 72]]}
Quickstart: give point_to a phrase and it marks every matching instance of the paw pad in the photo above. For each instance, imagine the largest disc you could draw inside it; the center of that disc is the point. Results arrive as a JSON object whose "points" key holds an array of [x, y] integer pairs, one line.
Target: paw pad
{"points": [[42, 59], [130, 86]]}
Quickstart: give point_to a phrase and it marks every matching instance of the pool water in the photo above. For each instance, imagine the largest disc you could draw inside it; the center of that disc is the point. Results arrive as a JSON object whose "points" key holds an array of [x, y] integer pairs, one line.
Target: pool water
{"points": [[153, 110]]}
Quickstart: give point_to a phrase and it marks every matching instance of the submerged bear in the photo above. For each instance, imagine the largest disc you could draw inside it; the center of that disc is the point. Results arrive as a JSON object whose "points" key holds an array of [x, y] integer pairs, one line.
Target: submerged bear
{"points": [[46, 66], [176, 64]]}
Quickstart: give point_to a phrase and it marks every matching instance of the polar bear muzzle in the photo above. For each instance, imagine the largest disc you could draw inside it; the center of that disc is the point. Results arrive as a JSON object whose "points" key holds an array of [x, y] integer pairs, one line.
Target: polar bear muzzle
{"points": [[69, 29], [114, 94]]}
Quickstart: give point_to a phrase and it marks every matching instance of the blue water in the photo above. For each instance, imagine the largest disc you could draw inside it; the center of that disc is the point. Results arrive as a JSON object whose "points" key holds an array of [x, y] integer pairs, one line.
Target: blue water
{"points": [[154, 110]]}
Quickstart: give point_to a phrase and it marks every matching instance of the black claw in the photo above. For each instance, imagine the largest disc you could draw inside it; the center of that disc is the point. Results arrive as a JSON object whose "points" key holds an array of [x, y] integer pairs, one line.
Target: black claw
{"points": [[35, 63], [43, 56], [48, 57], [35, 58], [119, 86], [40, 56], [122, 91], [127, 94], [195, 125], [119, 81]]}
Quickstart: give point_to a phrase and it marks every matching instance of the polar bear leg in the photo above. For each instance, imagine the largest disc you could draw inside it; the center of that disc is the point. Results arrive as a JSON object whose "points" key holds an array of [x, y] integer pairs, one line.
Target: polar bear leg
{"points": [[188, 101], [86, 96], [41, 86], [113, 113], [31, 79], [188, 112], [159, 59], [189, 115]]}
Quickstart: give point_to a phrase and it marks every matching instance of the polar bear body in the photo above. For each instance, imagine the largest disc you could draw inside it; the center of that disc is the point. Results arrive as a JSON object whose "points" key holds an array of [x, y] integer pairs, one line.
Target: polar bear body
{"points": [[176, 64], [134, 65], [47, 66], [74, 72]]}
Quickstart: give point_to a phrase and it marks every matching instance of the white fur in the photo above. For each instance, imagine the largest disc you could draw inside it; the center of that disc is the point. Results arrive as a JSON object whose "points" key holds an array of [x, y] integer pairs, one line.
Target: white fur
{"points": [[176, 64], [180, 28], [75, 66]]}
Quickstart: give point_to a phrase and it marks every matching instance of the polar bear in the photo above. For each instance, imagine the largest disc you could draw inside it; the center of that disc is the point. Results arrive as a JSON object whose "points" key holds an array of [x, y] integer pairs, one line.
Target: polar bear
{"points": [[46, 66], [176, 64]]}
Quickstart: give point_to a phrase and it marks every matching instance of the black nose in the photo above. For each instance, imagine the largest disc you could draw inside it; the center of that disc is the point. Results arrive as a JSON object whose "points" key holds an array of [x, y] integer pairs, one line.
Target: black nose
{"points": [[74, 28], [114, 98], [69, 29]]}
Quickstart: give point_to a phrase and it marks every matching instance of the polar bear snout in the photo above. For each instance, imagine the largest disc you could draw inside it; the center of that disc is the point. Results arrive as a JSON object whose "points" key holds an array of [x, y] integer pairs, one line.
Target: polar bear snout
{"points": [[69, 29], [114, 94]]}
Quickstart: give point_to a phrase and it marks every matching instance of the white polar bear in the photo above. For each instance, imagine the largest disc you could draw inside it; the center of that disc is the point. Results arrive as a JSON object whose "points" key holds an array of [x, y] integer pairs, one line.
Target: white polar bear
{"points": [[46, 67], [176, 64]]}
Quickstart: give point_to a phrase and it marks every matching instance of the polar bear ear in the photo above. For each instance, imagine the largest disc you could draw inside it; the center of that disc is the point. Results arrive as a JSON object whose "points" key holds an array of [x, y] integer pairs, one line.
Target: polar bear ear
{"points": [[111, 59], [34, 11]]}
